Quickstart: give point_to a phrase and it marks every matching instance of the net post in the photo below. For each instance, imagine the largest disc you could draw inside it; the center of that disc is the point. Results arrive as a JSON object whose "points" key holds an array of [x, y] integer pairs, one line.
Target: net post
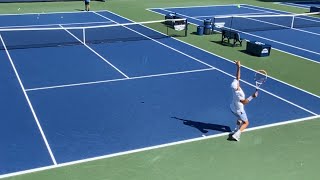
{"points": [[230, 28], [186, 29], [292, 22], [213, 22], [84, 35]]}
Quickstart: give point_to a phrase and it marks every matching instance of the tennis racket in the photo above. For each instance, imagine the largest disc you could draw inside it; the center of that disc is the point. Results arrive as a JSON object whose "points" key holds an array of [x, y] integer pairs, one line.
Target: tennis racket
{"points": [[260, 77]]}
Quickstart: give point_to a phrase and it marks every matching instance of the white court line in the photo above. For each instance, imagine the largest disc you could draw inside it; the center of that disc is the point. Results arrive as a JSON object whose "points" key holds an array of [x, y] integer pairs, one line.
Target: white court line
{"points": [[121, 79], [245, 66], [184, 7], [31, 26], [292, 5], [245, 14], [154, 147], [41, 13], [266, 11], [44, 13], [29, 103], [96, 53]]}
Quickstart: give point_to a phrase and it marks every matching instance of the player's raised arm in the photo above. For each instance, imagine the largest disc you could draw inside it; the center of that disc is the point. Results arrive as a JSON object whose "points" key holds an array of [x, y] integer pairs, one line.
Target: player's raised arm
{"points": [[238, 70]]}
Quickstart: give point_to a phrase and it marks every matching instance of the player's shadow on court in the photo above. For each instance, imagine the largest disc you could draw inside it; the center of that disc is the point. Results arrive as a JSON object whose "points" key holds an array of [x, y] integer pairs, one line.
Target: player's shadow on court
{"points": [[204, 127]]}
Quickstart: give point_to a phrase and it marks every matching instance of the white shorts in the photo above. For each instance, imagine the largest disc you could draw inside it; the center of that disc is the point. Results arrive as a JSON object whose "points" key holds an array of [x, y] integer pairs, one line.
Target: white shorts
{"points": [[241, 115]]}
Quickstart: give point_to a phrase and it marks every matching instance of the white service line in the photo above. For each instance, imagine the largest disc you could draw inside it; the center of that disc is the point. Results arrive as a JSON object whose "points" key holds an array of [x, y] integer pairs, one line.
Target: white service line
{"points": [[273, 9], [265, 11], [29, 103], [96, 53], [185, 7], [121, 79], [245, 14], [291, 5], [42, 13]]}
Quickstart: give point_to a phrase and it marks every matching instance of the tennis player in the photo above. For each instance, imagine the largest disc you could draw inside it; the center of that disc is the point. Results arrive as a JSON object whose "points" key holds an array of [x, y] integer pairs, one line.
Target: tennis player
{"points": [[237, 104], [87, 5]]}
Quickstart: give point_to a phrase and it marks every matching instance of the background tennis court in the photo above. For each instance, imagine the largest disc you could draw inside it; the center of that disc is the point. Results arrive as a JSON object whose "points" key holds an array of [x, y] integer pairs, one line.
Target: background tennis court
{"points": [[301, 4], [259, 26], [120, 128]]}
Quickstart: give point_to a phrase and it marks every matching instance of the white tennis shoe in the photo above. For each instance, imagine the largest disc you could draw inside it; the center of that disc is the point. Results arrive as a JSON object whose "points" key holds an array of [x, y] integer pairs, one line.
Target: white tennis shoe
{"points": [[236, 136]]}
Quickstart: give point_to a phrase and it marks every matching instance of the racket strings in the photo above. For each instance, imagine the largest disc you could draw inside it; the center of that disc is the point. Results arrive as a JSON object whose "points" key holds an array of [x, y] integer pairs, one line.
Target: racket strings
{"points": [[260, 77], [260, 80]]}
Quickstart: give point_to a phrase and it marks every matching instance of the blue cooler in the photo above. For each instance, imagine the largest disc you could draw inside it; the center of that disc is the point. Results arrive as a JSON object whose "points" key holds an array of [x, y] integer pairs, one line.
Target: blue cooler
{"points": [[258, 48], [200, 30]]}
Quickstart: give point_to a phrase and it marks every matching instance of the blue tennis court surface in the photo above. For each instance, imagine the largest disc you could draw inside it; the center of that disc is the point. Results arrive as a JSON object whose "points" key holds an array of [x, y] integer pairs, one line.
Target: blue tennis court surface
{"points": [[69, 103], [300, 41]]}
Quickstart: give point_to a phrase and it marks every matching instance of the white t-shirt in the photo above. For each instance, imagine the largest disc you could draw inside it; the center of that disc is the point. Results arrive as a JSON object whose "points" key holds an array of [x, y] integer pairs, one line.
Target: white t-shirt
{"points": [[237, 106]]}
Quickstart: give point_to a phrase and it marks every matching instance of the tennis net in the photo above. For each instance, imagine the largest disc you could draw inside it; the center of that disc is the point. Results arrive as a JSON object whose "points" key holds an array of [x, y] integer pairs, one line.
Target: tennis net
{"points": [[268, 22], [62, 35]]}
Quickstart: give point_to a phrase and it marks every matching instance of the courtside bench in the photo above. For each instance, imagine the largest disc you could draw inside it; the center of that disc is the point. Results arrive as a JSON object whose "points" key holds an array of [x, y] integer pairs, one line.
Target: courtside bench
{"points": [[228, 34]]}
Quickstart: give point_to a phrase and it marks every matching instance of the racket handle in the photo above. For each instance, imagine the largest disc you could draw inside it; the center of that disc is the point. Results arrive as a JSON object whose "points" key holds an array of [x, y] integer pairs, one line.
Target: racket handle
{"points": [[255, 94]]}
